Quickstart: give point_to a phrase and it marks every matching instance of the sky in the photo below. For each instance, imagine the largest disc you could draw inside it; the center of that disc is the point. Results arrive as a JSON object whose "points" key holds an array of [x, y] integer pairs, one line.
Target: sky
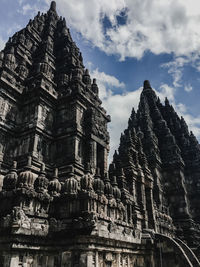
{"points": [[125, 42]]}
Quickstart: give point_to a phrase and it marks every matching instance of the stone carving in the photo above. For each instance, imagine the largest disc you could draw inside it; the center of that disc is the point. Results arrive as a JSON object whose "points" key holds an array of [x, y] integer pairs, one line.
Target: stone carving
{"points": [[87, 221], [50, 111], [87, 182], [64, 79], [20, 219], [98, 124], [22, 69], [22, 38], [46, 117], [6, 221], [2, 106], [112, 227], [45, 68], [28, 43], [49, 44], [10, 61]]}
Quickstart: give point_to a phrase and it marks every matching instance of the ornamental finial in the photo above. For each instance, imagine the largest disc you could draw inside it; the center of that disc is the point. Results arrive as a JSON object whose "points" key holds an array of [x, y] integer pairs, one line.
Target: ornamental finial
{"points": [[146, 84], [53, 6]]}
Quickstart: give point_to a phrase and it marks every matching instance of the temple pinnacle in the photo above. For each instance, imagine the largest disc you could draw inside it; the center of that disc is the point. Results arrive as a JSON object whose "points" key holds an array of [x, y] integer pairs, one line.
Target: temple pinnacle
{"points": [[50, 112], [53, 6], [146, 84]]}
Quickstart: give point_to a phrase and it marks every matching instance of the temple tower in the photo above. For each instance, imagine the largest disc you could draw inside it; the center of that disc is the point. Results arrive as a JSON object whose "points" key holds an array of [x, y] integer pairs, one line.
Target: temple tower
{"points": [[50, 108], [60, 204]]}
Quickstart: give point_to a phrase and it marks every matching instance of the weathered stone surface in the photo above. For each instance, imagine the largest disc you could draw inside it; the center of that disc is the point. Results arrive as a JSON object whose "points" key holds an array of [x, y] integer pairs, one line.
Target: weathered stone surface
{"points": [[64, 207]]}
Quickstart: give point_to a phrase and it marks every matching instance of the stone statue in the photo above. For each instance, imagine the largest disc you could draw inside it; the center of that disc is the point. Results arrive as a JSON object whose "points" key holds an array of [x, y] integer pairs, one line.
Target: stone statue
{"points": [[10, 61], [22, 69]]}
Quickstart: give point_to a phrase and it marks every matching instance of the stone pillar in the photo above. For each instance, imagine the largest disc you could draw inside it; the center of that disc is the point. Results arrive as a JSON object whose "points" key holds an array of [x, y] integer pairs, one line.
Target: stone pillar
{"points": [[105, 157], [96, 259], [66, 259], [142, 200], [39, 113], [91, 259], [95, 154], [2, 146], [1, 181], [35, 144], [14, 261], [36, 261], [118, 259], [26, 144], [92, 157], [77, 150], [150, 207], [50, 261], [83, 260], [134, 189]]}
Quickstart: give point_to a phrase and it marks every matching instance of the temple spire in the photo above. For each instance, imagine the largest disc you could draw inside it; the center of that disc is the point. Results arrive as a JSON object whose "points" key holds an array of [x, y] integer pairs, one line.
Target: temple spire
{"points": [[53, 6], [149, 93], [147, 85]]}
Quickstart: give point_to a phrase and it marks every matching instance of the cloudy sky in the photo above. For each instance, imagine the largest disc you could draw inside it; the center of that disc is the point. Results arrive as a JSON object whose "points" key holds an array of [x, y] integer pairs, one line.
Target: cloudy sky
{"points": [[125, 42]]}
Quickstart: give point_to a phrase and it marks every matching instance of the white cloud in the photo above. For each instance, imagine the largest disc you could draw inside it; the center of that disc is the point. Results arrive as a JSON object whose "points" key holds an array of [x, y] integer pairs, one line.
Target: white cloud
{"points": [[105, 82], [28, 9], [188, 88], [175, 68], [119, 107], [21, 2], [181, 109], [156, 25], [13, 28], [107, 79], [166, 91]]}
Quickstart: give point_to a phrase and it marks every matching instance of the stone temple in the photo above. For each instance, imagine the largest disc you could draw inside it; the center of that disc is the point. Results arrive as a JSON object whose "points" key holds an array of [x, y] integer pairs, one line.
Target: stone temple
{"points": [[60, 205]]}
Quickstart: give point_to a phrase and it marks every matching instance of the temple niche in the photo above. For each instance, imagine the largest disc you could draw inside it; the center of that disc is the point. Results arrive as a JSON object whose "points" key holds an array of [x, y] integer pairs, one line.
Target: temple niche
{"points": [[60, 202]]}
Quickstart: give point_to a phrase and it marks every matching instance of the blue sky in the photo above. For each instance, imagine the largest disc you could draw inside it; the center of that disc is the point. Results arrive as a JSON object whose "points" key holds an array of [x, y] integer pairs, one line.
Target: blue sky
{"points": [[125, 42]]}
